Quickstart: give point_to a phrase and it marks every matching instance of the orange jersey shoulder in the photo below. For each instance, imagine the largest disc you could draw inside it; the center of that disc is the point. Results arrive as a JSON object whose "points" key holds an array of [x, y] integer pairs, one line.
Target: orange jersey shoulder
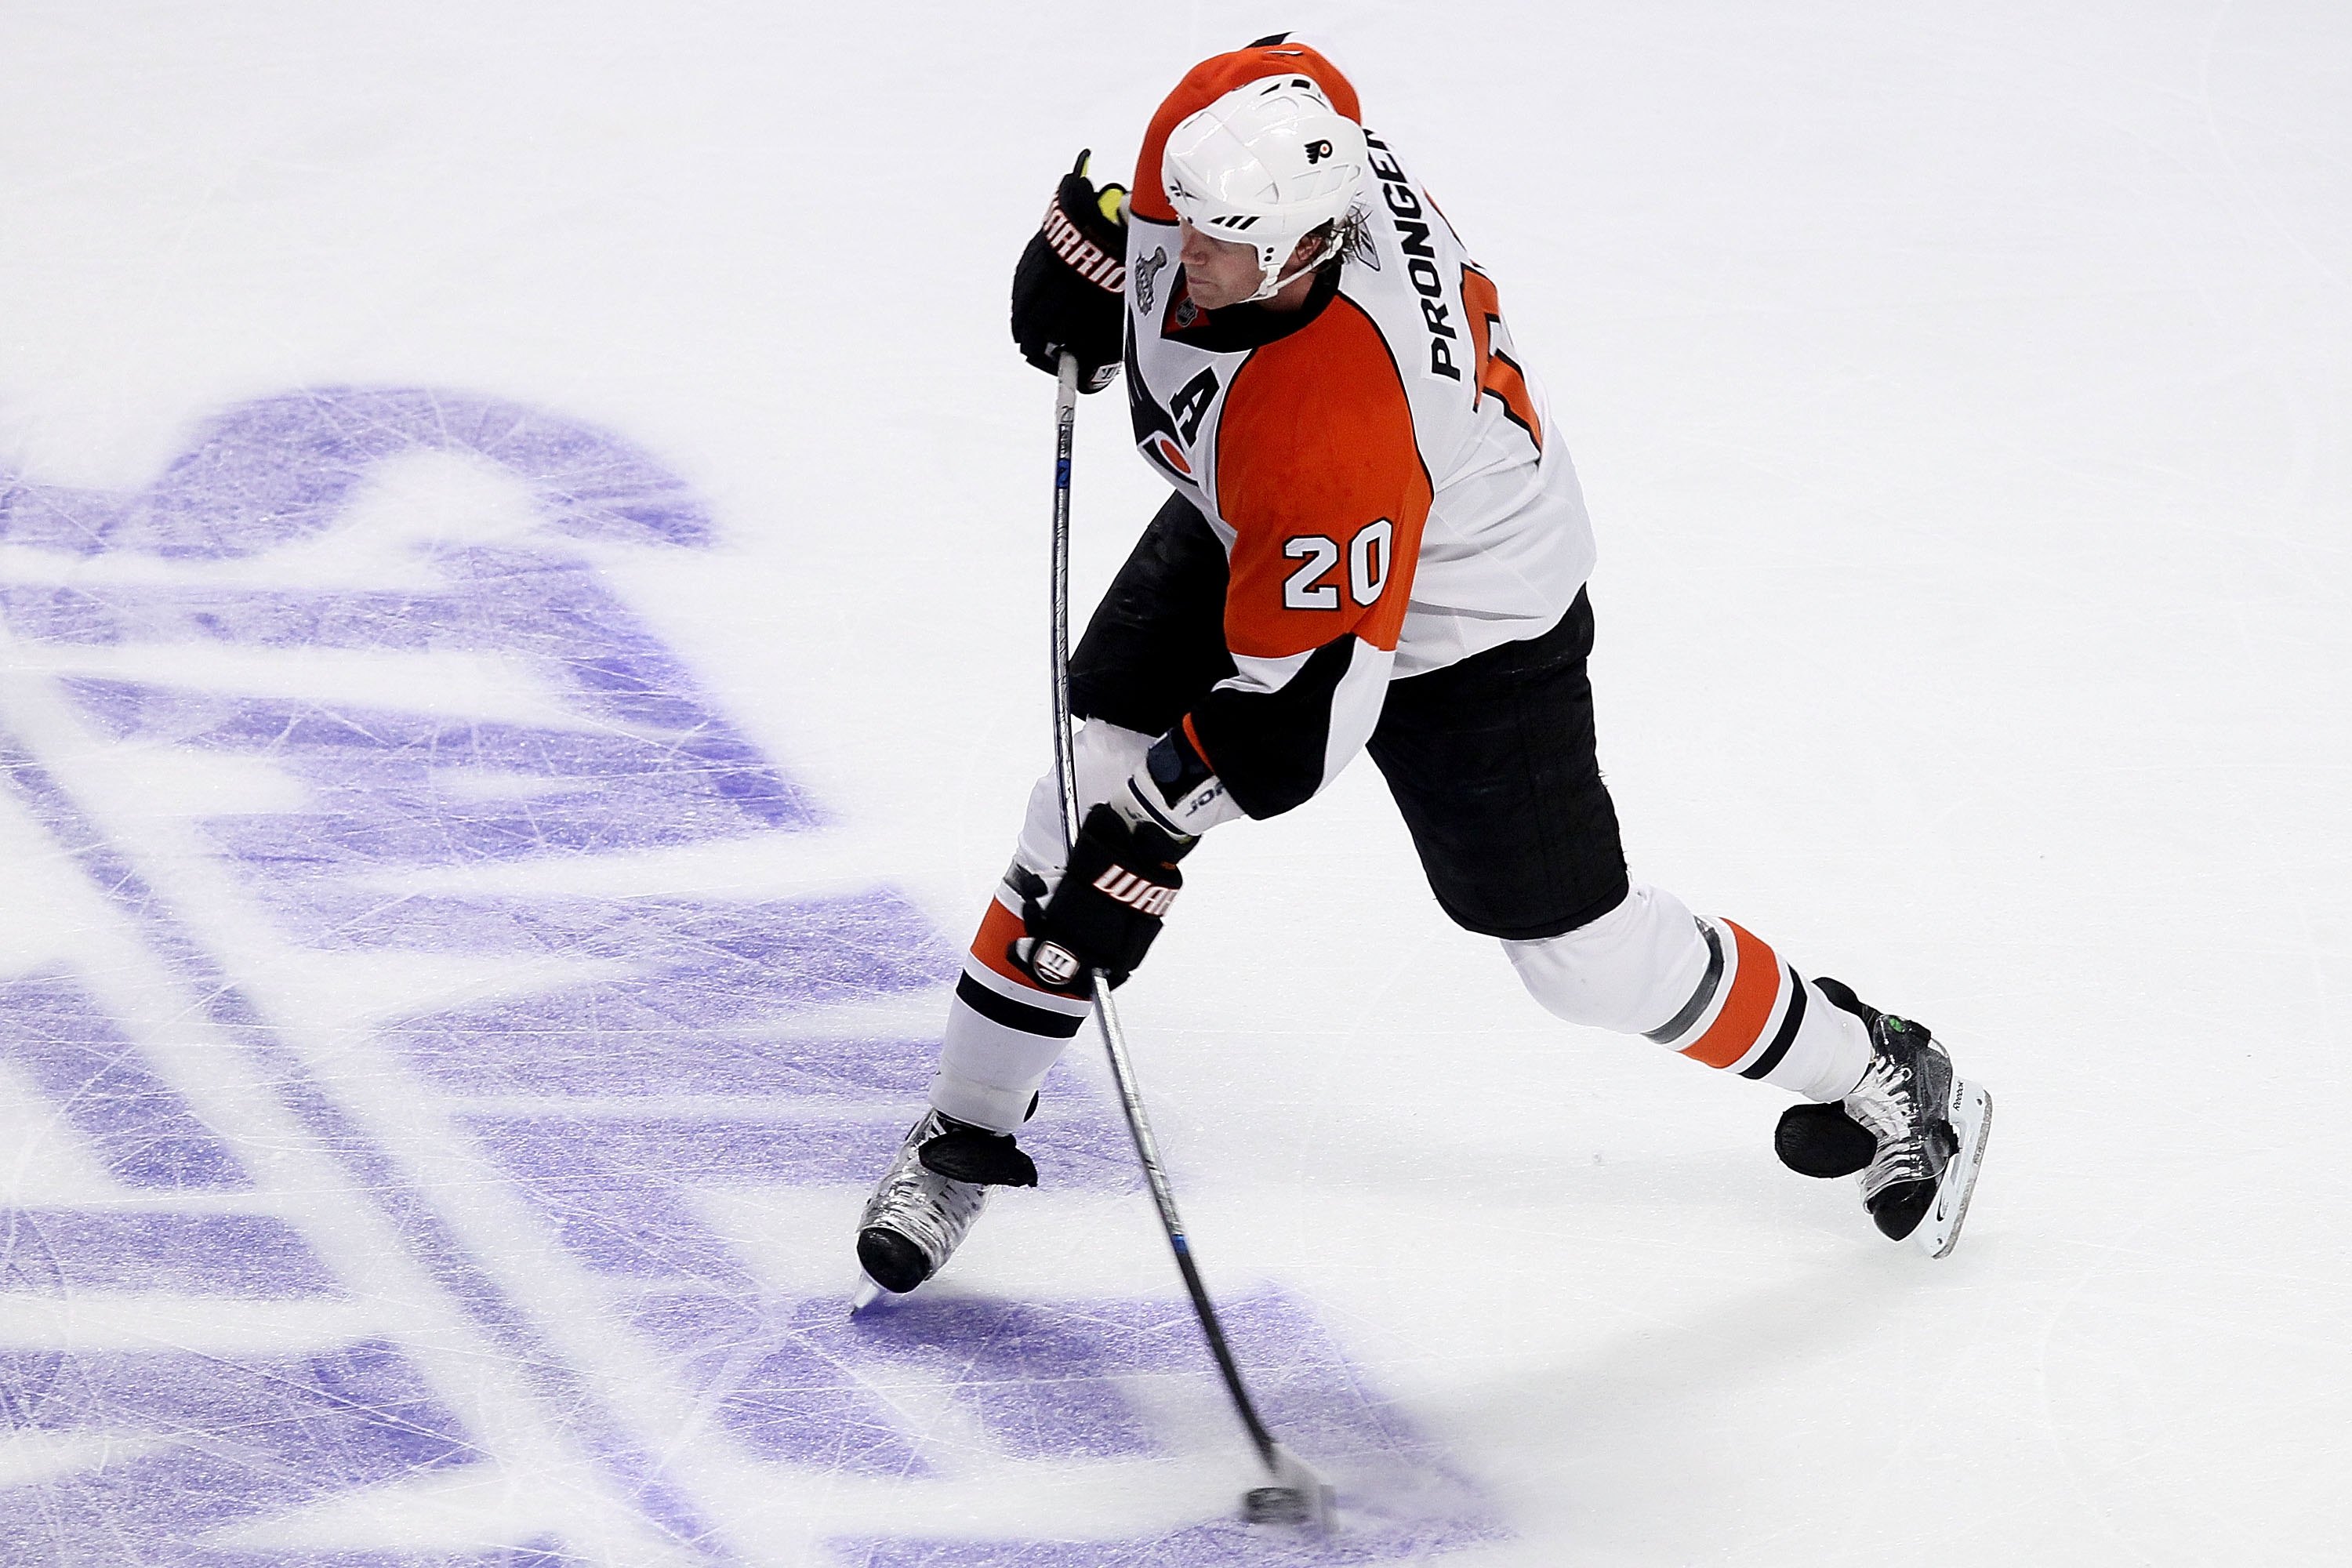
{"points": [[1319, 474], [1210, 80]]}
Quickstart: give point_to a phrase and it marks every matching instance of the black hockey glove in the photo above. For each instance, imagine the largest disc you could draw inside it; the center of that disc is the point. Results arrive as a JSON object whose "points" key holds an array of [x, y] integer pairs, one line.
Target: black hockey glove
{"points": [[1120, 881], [1069, 291]]}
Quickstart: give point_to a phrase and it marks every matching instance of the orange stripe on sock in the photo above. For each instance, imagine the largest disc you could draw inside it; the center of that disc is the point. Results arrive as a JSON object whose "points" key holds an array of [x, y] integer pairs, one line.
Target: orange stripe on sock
{"points": [[1755, 987], [1000, 929]]}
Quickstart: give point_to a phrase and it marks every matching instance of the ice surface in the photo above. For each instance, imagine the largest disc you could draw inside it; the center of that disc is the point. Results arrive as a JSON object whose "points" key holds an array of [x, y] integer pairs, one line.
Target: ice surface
{"points": [[521, 557]]}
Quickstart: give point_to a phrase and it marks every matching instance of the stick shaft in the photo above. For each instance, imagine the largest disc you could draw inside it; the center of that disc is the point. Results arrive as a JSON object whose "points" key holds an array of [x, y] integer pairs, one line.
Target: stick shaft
{"points": [[1122, 1068], [1147, 1151], [1065, 424]]}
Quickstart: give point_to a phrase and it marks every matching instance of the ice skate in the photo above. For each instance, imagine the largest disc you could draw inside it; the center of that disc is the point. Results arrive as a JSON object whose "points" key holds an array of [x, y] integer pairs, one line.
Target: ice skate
{"points": [[1913, 1127], [927, 1201]]}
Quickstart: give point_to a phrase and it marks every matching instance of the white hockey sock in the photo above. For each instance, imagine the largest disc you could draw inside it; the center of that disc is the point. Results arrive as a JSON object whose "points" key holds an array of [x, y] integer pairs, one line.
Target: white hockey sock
{"points": [[1707, 989], [1626, 971], [1753, 1015], [989, 1073], [1004, 1034], [1827, 1053], [1103, 755]]}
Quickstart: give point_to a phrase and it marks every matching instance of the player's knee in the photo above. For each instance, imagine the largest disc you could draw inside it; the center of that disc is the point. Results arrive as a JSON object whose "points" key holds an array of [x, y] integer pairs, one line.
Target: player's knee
{"points": [[1627, 971], [1102, 756]]}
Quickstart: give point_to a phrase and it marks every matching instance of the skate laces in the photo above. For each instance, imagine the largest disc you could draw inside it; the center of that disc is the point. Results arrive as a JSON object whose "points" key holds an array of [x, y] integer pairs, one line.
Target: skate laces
{"points": [[1894, 1103], [934, 1212]]}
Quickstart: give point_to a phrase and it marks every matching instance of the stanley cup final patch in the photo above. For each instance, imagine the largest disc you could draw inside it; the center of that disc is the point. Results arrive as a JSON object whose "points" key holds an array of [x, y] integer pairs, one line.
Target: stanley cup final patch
{"points": [[1146, 277]]}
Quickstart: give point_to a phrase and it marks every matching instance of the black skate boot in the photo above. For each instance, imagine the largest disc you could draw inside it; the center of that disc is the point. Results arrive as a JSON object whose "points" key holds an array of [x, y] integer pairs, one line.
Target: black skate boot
{"points": [[927, 1201], [1913, 1127]]}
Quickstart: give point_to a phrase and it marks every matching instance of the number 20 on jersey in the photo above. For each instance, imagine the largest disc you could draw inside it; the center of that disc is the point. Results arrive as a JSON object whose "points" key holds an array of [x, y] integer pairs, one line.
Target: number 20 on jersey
{"points": [[1368, 567]]}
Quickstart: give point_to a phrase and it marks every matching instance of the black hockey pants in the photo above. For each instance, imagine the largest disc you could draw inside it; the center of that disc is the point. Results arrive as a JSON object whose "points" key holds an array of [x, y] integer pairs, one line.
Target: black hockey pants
{"points": [[1491, 761]]}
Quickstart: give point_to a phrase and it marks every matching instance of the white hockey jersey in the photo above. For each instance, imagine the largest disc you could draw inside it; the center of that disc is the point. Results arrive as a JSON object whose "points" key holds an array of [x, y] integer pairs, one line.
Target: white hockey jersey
{"points": [[1379, 466]]}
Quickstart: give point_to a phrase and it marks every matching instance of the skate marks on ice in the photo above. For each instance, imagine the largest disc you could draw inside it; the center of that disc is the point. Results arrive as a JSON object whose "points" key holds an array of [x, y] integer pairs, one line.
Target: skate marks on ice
{"points": [[381, 1100]]}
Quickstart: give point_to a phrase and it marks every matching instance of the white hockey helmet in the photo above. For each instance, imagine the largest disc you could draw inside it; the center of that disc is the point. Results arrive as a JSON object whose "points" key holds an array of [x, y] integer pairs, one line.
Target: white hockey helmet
{"points": [[1264, 165]]}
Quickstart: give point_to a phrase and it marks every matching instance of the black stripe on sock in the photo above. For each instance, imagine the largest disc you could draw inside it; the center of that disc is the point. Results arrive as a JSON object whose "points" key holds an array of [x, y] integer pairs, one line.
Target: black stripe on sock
{"points": [[1698, 998], [1014, 1014], [1788, 1033]]}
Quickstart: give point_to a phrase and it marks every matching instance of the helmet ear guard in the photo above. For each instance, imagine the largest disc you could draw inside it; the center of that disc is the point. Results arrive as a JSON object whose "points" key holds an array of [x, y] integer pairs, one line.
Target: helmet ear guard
{"points": [[1266, 165], [1273, 259]]}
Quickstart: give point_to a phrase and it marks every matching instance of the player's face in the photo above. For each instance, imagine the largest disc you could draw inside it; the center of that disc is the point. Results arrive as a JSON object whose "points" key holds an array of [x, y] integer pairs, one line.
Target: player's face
{"points": [[1220, 273], [1217, 271]]}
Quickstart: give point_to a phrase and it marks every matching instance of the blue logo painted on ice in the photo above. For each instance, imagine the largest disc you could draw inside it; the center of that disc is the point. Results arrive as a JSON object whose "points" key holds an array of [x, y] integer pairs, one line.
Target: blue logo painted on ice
{"points": [[481, 1222]]}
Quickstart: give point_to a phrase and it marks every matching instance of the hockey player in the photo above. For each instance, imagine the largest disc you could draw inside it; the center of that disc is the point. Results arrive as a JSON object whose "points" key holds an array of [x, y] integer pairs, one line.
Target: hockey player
{"points": [[1376, 542]]}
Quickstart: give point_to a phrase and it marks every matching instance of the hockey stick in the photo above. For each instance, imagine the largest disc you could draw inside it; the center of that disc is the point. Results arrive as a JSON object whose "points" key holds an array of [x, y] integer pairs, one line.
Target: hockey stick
{"points": [[1297, 1495]]}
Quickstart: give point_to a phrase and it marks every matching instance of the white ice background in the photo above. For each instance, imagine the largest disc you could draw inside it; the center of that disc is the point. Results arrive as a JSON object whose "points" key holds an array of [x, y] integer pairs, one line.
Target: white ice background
{"points": [[1961, 394]]}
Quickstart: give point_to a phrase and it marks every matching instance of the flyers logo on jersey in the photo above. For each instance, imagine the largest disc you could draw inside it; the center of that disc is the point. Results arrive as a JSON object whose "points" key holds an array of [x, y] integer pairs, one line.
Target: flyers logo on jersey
{"points": [[1138, 893], [1159, 431]]}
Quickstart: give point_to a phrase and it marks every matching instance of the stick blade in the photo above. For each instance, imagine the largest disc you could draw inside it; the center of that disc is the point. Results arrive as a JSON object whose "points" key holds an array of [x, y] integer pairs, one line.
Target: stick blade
{"points": [[1296, 1495]]}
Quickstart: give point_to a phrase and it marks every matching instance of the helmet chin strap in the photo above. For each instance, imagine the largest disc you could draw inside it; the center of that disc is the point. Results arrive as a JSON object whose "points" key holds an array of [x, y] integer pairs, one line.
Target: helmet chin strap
{"points": [[1272, 280]]}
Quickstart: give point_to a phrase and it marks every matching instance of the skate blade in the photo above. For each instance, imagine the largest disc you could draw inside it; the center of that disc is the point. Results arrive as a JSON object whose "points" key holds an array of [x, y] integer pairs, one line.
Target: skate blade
{"points": [[1969, 1111], [864, 1296], [1297, 1495]]}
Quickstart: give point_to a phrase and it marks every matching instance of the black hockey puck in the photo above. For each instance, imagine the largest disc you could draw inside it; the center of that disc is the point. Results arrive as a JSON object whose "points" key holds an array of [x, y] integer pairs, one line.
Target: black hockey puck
{"points": [[1274, 1504]]}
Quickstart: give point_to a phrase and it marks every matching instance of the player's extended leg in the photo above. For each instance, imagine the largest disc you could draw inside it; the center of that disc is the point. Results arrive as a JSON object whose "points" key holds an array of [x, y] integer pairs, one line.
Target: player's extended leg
{"points": [[1153, 647], [1493, 765], [1889, 1103], [1004, 1034], [1704, 987]]}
